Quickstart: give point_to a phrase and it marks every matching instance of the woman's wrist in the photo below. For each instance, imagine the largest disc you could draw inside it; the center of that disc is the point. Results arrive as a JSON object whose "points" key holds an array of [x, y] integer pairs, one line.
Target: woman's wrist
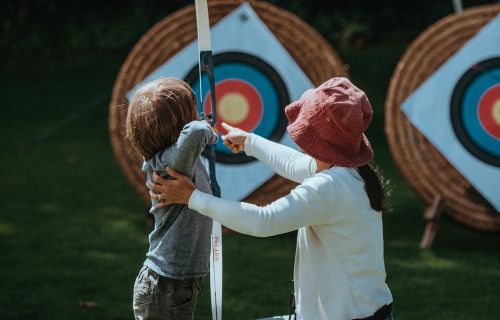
{"points": [[194, 199], [189, 197], [247, 147]]}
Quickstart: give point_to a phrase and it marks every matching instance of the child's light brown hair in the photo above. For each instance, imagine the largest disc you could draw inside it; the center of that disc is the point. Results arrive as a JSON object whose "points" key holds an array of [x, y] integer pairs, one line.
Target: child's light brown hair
{"points": [[157, 113]]}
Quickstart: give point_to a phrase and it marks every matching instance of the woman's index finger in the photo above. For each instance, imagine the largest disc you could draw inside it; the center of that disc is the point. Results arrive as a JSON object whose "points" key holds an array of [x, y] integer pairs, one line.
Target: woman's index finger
{"points": [[175, 174], [226, 126]]}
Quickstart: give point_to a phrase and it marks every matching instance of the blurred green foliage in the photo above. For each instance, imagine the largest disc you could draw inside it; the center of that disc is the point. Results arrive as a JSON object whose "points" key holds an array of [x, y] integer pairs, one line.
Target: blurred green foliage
{"points": [[34, 30]]}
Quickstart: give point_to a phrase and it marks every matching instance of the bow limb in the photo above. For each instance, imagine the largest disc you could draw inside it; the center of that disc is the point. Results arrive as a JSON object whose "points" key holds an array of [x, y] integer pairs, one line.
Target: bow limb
{"points": [[206, 67]]}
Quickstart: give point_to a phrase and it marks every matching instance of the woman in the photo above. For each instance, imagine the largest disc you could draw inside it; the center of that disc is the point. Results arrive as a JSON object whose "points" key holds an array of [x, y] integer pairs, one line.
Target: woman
{"points": [[339, 265]]}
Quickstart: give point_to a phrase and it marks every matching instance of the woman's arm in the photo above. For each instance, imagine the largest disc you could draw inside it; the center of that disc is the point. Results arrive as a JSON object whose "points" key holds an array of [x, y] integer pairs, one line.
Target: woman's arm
{"points": [[285, 161], [308, 204]]}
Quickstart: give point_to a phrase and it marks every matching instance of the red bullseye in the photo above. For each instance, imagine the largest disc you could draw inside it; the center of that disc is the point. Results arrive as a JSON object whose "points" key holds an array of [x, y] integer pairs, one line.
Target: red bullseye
{"points": [[489, 111], [238, 104]]}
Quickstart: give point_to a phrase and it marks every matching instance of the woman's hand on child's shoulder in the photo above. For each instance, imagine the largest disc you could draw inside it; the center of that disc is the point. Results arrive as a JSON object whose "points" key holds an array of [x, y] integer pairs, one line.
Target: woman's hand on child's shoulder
{"points": [[168, 192]]}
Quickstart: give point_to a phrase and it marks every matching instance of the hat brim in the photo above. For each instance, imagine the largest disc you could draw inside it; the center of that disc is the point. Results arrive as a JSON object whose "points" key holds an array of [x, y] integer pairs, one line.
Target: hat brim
{"points": [[309, 140]]}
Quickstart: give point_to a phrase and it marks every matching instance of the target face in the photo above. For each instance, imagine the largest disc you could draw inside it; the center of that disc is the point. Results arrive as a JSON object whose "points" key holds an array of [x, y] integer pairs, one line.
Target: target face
{"points": [[475, 110], [249, 94], [457, 110], [256, 77]]}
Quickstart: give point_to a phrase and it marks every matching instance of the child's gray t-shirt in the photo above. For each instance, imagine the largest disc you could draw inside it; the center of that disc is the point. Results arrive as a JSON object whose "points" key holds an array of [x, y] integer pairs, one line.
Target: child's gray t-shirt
{"points": [[179, 246]]}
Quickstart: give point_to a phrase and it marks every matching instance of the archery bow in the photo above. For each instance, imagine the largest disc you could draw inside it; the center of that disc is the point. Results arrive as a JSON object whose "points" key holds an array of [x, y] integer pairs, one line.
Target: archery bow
{"points": [[206, 68]]}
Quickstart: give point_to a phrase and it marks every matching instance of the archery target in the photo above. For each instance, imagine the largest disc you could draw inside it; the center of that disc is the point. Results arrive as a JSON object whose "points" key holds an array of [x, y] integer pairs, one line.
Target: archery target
{"points": [[257, 78], [457, 110], [264, 57], [475, 110], [250, 95]]}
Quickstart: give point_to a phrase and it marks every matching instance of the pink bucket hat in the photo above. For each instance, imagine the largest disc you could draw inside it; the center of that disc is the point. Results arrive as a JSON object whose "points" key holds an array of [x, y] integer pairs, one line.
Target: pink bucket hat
{"points": [[329, 122]]}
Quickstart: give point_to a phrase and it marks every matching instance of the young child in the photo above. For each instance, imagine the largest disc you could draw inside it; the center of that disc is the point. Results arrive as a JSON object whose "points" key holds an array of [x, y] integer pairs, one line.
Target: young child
{"points": [[162, 124]]}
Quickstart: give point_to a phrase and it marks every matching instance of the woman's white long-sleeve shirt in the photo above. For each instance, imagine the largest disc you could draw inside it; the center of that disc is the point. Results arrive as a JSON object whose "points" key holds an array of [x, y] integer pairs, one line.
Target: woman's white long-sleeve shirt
{"points": [[339, 265]]}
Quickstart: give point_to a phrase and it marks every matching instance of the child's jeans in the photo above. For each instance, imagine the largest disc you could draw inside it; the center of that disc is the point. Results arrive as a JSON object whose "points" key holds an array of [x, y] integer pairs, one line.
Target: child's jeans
{"points": [[161, 298]]}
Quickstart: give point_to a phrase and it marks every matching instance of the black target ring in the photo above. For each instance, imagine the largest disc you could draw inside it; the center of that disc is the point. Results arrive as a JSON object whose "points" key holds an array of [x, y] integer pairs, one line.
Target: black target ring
{"points": [[463, 114]]}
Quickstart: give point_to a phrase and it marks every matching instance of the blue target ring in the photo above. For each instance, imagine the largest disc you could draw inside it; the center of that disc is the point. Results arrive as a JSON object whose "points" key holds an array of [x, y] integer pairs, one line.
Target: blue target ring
{"points": [[468, 122], [255, 87]]}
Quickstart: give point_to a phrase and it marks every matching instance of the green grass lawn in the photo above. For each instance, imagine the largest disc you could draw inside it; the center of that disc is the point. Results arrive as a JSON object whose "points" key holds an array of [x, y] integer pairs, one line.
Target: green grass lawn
{"points": [[72, 229]]}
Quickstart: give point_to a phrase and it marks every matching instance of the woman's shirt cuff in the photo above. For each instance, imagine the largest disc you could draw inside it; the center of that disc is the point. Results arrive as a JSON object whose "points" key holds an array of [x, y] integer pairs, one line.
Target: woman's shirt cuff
{"points": [[197, 202]]}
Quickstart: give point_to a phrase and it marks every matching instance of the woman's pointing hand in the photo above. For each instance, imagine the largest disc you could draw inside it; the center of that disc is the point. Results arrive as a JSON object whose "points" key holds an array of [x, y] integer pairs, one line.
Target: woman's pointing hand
{"points": [[235, 138]]}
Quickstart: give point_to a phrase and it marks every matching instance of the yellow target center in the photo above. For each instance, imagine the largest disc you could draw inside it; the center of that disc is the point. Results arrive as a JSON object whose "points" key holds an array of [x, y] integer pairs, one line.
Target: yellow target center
{"points": [[233, 108], [496, 112]]}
